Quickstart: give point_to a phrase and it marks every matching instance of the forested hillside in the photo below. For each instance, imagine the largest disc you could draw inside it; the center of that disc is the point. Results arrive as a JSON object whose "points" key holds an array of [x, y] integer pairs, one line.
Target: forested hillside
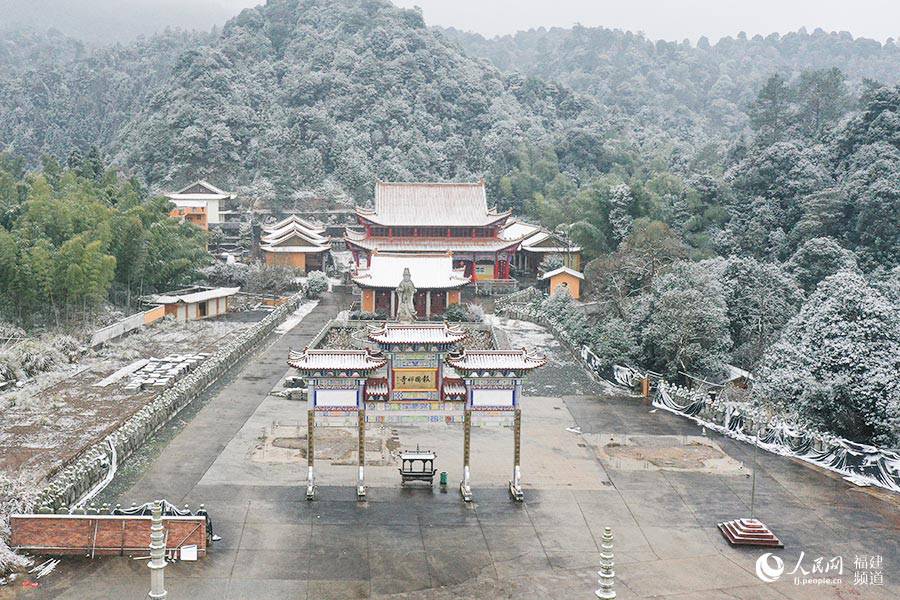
{"points": [[58, 95], [680, 90], [73, 238], [330, 95]]}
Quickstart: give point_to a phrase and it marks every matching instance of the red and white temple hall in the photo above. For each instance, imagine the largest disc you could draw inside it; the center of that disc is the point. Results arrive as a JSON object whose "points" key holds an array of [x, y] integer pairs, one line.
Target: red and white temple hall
{"points": [[436, 281], [435, 217]]}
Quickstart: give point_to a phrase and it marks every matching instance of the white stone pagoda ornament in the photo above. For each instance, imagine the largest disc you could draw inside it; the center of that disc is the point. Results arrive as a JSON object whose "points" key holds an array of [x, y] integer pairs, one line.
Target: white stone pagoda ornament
{"points": [[157, 562], [406, 291], [606, 574]]}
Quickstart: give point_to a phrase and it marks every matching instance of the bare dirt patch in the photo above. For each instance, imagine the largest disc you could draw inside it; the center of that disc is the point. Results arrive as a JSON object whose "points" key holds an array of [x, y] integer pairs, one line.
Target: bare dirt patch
{"points": [[689, 453], [337, 445]]}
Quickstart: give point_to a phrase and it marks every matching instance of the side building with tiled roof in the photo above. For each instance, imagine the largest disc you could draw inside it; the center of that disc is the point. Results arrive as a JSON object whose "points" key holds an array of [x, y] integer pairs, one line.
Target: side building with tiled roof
{"points": [[295, 242], [537, 244]]}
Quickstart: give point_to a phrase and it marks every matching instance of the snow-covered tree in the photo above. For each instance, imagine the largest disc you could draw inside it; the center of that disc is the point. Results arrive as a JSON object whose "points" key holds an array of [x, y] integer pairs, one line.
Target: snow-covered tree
{"points": [[837, 363], [683, 322], [761, 299], [620, 203], [818, 258]]}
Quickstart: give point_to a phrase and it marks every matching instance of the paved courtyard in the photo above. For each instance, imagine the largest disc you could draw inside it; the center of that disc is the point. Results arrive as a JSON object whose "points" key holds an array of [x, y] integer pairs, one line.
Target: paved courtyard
{"points": [[658, 480]]}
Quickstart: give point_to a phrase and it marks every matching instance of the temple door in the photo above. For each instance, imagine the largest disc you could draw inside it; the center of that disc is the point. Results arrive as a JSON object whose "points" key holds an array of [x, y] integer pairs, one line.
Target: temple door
{"points": [[438, 302], [419, 303], [383, 302]]}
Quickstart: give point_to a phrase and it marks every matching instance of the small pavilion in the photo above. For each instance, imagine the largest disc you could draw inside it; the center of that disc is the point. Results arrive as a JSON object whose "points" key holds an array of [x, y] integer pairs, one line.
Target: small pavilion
{"points": [[437, 282], [564, 278], [295, 242]]}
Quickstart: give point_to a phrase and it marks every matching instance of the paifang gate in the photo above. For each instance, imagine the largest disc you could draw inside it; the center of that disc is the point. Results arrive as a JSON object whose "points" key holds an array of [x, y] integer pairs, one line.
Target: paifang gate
{"points": [[417, 372]]}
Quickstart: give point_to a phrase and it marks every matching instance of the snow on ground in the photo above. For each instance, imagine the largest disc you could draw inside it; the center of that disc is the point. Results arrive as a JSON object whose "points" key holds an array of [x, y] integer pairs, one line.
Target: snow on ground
{"points": [[297, 316], [563, 374], [56, 414]]}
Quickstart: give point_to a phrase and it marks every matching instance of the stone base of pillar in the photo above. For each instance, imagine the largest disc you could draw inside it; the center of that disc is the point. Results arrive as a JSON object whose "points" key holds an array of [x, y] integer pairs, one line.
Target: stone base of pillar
{"points": [[515, 486], [465, 490], [360, 485], [310, 485]]}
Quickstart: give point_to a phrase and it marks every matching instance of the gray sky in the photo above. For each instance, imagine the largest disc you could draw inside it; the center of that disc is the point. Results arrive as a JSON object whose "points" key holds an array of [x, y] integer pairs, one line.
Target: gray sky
{"points": [[105, 20], [669, 19]]}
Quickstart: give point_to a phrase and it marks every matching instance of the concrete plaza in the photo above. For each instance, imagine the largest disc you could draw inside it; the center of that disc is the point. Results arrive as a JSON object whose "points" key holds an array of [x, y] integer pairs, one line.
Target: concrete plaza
{"points": [[660, 482]]}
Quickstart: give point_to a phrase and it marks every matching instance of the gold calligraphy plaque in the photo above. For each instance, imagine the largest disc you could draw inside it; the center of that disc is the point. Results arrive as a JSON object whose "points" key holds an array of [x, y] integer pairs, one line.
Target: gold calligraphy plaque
{"points": [[415, 380]]}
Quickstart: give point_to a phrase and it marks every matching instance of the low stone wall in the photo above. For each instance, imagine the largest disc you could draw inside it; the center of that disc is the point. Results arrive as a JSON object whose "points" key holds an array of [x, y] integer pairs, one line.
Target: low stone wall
{"points": [[116, 535], [130, 323], [72, 482]]}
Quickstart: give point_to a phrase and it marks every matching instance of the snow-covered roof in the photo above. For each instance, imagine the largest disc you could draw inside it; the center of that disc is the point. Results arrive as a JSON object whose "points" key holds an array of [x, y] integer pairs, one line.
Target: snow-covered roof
{"points": [[516, 230], [431, 204], [417, 244], [351, 361], [294, 249], [533, 244], [533, 235], [199, 190], [416, 333], [454, 387], [188, 203], [291, 233], [427, 270], [275, 234], [190, 297], [733, 373], [294, 220], [376, 387], [560, 270], [494, 360]]}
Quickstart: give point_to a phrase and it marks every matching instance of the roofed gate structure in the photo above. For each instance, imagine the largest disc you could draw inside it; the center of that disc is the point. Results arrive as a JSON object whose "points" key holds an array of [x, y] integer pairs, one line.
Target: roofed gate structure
{"points": [[420, 371]]}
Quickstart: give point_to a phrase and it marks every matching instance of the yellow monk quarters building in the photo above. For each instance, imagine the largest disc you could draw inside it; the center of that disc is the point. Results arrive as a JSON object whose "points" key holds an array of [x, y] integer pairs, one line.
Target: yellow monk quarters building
{"points": [[295, 242], [438, 283], [200, 203], [563, 278]]}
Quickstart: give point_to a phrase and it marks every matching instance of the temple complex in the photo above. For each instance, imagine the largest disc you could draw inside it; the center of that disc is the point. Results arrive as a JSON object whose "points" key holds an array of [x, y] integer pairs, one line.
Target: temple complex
{"points": [[435, 217], [295, 242], [436, 282]]}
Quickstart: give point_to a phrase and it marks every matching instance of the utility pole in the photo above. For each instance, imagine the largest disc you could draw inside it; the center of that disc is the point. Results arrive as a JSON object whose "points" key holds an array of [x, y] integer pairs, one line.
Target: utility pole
{"points": [[755, 465]]}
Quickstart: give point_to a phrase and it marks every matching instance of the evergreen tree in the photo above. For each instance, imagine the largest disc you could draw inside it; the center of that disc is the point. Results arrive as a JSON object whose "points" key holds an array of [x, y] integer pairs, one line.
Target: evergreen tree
{"points": [[770, 113], [837, 363]]}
